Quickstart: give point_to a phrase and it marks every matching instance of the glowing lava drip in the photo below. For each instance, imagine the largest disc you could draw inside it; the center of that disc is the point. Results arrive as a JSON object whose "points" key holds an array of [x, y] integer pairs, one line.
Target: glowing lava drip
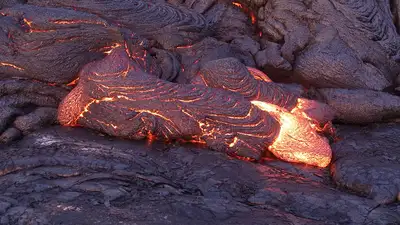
{"points": [[298, 140]]}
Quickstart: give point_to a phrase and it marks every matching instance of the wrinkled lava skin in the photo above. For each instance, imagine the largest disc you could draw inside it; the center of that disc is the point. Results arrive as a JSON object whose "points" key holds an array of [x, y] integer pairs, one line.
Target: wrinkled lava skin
{"points": [[230, 74], [116, 97]]}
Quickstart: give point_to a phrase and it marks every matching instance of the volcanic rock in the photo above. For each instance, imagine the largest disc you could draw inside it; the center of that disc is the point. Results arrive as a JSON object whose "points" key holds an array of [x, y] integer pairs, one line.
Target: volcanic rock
{"points": [[114, 96], [203, 186], [51, 44], [367, 161], [361, 106], [167, 24]]}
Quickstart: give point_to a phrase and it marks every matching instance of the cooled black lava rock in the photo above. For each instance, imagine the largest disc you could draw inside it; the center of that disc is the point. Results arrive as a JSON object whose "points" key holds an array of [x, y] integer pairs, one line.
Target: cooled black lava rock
{"points": [[367, 161]]}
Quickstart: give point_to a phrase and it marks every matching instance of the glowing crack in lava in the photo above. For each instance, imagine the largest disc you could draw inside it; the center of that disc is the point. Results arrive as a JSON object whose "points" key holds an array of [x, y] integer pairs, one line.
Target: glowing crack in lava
{"points": [[115, 96]]}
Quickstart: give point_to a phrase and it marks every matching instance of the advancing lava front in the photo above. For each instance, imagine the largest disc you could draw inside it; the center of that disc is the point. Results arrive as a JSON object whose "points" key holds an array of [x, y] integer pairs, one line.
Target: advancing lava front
{"points": [[153, 70], [114, 95]]}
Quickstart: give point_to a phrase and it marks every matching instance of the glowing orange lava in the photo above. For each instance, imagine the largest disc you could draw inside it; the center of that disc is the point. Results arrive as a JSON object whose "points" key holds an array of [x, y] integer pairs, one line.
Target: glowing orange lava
{"points": [[109, 49], [40, 31], [246, 10], [29, 23], [73, 83], [237, 4], [258, 75], [253, 18], [11, 65], [297, 141], [184, 46], [77, 22]]}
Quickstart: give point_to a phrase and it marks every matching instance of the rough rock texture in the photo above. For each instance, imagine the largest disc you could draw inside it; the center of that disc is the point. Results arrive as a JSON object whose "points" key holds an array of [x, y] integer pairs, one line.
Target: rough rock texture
{"points": [[311, 42], [27, 105], [50, 44], [230, 74], [70, 176], [314, 41], [194, 57], [170, 26], [9, 3], [361, 106], [367, 161]]}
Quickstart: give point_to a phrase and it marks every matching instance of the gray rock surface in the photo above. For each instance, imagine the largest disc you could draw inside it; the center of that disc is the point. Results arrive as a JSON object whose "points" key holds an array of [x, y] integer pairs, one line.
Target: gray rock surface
{"points": [[361, 106], [135, 183], [367, 161]]}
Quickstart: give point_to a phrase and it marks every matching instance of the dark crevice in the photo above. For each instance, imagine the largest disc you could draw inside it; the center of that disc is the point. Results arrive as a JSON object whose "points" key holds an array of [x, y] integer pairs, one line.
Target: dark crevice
{"points": [[394, 8]]}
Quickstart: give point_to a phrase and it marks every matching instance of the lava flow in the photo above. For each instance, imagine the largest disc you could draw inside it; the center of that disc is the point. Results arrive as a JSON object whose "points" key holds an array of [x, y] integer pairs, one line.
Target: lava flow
{"points": [[117, 97], [298, 140]]}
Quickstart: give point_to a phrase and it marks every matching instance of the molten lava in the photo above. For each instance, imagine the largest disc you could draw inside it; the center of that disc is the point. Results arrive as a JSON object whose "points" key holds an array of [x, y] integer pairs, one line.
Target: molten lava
{"points": [[116, 96], [298, 140], [11, 65]]}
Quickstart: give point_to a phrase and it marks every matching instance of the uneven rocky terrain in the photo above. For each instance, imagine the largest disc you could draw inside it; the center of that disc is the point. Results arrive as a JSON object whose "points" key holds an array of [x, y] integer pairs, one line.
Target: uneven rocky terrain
{"points": [[74, 176], [343, 54]]}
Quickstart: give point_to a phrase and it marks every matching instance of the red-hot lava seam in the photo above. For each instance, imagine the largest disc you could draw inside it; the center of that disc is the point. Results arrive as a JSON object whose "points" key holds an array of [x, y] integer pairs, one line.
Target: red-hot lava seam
{"points": [[12, 66], [246, 10]]}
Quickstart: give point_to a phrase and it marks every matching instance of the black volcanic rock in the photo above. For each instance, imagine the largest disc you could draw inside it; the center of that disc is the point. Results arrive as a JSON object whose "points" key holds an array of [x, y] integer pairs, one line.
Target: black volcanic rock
{"points": [[51, 44], [177, 185], [360, 106], [367, 161], [167, 24]]}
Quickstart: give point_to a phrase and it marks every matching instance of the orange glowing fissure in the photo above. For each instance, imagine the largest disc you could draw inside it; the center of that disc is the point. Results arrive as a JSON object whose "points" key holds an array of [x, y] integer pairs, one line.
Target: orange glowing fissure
{"points": [[246, 10], [77, 22], [86, 109], [73, 83], [11, 65], [298, 140]]}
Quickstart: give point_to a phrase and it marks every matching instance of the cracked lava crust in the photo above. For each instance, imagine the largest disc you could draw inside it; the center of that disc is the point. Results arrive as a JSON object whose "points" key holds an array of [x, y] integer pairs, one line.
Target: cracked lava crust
{"points": [[116, 96]]}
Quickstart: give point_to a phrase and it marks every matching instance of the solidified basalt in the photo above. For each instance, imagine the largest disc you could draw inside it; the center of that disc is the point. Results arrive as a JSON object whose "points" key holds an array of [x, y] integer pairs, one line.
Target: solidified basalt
{"points": [[230, 74], [27, 105], [9, 3], [71, 176], [330, 63], [193, 57], [15, 86], [361, 106], [314, 42], [375, 20], [51, 44], [114, 96], [169, 25], [367, 161]]}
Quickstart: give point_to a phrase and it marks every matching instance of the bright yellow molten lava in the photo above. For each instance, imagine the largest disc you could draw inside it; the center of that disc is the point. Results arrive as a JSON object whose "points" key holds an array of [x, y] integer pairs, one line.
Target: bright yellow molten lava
{"points": [[298, 140]]}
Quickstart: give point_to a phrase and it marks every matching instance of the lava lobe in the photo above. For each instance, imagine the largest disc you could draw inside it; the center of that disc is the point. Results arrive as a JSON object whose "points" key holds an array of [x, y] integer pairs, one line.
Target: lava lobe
{"points": [[115, 96]]}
